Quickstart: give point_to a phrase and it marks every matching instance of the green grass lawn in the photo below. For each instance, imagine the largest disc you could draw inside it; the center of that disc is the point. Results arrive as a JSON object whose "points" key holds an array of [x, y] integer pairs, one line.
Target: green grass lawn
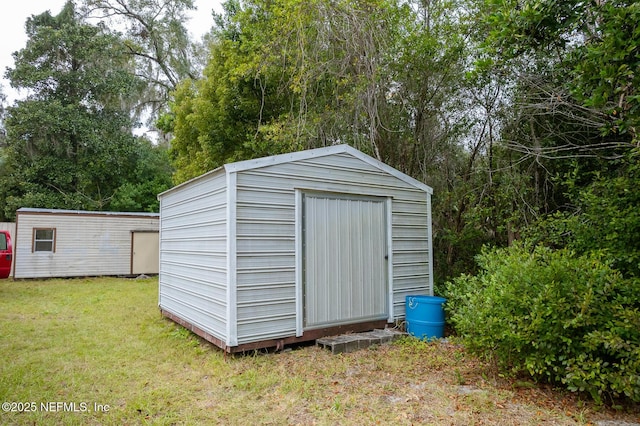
{"points": [[97, 351]]}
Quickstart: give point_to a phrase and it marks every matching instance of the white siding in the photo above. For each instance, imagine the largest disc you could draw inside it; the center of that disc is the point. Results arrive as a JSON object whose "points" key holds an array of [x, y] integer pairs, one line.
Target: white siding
{"points": [[266, 219], [11, 227], [8, 226], [193, 253], [86, 243]]}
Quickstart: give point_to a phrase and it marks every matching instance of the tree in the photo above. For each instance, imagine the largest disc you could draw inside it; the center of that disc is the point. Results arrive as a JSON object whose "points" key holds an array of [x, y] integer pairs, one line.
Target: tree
{"points": [[563, 158], [157, 40], [151, 176], [533, 120], [70, 142], [291, 75], [593, 46], [3, 135]]}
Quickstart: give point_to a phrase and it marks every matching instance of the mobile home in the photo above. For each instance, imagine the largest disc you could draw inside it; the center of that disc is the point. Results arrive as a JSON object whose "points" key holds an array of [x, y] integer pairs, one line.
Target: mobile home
{"points": [[71, 243]]}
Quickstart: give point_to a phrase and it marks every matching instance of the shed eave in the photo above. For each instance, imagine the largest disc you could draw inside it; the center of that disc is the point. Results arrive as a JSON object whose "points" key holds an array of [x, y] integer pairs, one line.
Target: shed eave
{"points": [[388, 169], [195, 179]]}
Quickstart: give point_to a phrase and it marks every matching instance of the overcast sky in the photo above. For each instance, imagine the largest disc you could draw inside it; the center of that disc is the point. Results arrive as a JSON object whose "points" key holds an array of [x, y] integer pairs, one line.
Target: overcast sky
{"points": [[14, 13]]}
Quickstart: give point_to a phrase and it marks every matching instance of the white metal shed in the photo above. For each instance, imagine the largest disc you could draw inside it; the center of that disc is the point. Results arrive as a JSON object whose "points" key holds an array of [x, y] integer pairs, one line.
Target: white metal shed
{"points": [[293, 247], [72, 243]]}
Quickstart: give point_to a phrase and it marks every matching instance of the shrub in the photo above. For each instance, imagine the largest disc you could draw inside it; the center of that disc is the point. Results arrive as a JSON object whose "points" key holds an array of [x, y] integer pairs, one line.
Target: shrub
{"points": [[559, 317]]}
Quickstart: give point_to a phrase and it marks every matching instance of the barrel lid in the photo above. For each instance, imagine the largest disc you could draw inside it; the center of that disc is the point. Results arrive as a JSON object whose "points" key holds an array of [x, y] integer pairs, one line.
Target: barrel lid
{"points": [[426, 299]]}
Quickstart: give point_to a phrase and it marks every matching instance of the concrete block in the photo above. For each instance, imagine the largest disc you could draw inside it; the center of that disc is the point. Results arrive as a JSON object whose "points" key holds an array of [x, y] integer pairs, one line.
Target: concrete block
{"points": [[351, 342]]}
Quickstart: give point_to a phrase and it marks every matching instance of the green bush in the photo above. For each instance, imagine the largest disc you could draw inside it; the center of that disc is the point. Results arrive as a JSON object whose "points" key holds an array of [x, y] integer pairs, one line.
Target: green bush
{"points": [[555, 316]]}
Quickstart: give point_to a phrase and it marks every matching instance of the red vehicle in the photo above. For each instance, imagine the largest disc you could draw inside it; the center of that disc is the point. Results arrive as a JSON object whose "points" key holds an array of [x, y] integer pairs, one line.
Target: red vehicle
{"points": [[6, 254]]}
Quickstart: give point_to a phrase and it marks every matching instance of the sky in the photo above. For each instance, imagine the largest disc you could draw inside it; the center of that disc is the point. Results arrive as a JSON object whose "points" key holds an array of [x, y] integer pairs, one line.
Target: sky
{"points": [[14, 13]]}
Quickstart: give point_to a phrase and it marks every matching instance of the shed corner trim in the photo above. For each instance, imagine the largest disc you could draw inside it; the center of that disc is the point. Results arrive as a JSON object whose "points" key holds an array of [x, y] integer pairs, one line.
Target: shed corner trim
{"points": [[232, 311]]}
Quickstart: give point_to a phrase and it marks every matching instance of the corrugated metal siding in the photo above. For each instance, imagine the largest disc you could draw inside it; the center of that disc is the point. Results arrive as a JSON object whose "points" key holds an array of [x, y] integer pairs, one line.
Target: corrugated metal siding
{"points": [[85, 244], [193, 259], [266, 221], [410, 251], [265, 228], [345, 247]]}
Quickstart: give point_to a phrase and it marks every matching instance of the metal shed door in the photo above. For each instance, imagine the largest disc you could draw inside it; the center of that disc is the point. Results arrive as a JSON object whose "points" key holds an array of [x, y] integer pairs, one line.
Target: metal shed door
{"points": [[345, 267]]}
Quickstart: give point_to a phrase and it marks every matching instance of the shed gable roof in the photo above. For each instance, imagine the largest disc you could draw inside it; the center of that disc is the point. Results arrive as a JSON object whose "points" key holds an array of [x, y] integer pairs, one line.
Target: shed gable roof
{"points": [[321, 152], [305, 155]]}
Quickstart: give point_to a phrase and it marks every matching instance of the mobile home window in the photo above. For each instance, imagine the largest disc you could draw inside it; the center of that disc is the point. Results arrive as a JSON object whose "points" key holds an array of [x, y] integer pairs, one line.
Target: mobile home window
{"points": [[44, 239]]}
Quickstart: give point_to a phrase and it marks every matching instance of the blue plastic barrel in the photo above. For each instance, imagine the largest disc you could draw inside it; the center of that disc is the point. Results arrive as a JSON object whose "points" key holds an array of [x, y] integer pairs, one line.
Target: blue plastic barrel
{"points": [[425, 316]]}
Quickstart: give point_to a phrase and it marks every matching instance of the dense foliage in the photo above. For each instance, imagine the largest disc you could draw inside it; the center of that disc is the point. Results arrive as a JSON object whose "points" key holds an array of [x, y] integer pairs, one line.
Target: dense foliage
{"points": [[553, 315], [458, 94], [603, 218], [594, 44], [565, 308], [283, 76]]}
